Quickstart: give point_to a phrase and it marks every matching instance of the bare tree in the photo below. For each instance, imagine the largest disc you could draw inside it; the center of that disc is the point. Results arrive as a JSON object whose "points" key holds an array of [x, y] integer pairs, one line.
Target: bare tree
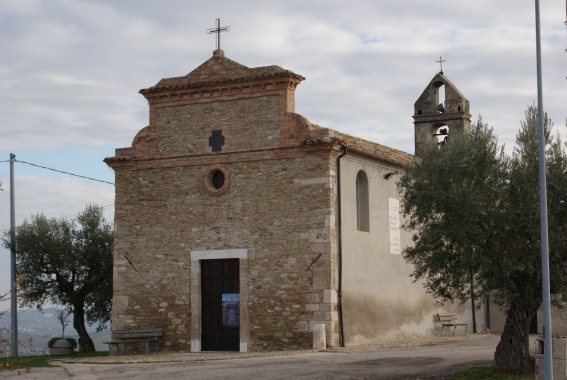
{"points": [[62, 315]]}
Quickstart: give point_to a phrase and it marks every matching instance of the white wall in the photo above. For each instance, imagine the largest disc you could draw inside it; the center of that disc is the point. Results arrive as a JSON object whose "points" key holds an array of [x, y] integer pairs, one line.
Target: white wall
{"points": [[380, 299]]}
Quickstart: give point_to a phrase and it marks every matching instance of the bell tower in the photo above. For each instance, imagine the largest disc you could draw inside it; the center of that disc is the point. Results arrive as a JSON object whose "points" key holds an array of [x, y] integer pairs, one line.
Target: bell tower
{"points": [[440, 111]]}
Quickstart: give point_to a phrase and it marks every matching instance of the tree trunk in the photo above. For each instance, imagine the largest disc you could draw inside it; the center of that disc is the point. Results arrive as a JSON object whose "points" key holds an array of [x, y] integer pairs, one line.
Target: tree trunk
{"points": [[85, 342], [473, 302], [512, 353]]}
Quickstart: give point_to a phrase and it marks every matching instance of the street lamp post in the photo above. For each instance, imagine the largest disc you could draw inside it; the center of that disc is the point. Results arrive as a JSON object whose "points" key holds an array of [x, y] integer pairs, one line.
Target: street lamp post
{"points": [[547, 353], [14, 290]]}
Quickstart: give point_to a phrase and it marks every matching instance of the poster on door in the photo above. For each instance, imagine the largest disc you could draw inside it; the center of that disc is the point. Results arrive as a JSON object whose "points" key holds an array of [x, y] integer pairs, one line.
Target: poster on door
{"points": [[231, 309]]}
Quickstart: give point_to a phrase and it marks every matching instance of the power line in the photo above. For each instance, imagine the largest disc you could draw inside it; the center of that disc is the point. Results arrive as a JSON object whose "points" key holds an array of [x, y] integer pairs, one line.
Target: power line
{"points": [[77, 213], [63, 216], [61, 171], [64, 172]]}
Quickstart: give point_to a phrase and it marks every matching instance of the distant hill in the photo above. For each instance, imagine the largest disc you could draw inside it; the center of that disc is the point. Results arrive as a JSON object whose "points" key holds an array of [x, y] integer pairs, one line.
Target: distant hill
{"points": [[43, 325]]}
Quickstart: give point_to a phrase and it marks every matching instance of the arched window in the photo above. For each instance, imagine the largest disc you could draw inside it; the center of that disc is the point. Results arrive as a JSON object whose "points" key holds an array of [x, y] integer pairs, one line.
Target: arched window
{"points": [[362, 204]]}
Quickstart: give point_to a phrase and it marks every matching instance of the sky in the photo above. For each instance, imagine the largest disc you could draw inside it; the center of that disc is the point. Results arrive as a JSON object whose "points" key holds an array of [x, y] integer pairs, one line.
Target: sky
{"points": [[70, 72]]}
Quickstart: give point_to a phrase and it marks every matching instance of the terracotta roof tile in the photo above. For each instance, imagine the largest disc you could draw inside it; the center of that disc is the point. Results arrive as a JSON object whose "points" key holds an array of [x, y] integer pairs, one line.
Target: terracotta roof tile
{"points": [[356, 144]]}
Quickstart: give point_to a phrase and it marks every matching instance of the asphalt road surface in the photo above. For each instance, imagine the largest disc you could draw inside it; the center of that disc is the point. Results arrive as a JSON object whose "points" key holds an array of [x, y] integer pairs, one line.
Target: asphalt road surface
{"points": [[431, 361]]}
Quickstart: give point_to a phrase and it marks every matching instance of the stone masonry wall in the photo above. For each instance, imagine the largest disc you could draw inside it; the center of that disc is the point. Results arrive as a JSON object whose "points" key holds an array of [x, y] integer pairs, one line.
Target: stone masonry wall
{"points": [[246, 124], [278, 209]]}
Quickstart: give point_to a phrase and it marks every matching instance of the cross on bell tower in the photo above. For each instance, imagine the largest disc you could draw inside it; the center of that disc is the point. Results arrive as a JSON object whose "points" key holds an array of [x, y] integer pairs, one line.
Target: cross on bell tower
{"points": [[218, 30], [440, 61]]}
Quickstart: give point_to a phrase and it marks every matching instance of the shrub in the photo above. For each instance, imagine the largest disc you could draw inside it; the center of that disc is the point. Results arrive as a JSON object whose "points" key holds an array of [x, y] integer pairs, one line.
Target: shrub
{"points": [[73, 341]]}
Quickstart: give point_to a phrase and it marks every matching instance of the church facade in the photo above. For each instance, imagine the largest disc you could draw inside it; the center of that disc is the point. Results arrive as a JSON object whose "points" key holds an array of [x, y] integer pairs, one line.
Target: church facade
{"points": [[240, 225]]}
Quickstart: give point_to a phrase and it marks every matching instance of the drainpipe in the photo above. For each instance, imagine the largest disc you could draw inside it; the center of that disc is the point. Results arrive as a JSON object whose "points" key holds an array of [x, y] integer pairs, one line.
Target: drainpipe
{"points": [[340, 249]]}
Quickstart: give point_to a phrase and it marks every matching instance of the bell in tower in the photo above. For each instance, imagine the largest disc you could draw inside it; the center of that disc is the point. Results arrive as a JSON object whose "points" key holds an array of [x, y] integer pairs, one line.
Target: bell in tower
{"points": [[440, 111]]}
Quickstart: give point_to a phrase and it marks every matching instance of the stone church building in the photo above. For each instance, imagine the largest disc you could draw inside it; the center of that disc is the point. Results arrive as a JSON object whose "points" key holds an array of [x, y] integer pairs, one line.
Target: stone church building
{"points": [[239, 224]]}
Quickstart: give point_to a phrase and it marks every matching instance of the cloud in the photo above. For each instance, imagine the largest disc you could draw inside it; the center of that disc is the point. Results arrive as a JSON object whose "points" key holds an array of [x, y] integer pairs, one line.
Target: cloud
{"points": [[54, 197], [71, 71]]}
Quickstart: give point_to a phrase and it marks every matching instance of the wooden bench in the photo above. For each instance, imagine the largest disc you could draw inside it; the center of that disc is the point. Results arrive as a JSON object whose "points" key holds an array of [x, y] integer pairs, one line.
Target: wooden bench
{"points": [[450, 320], [134, 336]]}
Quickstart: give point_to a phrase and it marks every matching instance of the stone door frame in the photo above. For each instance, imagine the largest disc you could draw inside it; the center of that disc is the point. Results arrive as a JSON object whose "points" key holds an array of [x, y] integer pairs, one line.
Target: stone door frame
{"points": [[196, 306]]}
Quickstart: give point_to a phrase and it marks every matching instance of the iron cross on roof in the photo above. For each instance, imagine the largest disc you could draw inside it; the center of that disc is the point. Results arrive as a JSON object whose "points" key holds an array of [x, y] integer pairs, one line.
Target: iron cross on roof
{"points": [[440, 61], [218, 31]]}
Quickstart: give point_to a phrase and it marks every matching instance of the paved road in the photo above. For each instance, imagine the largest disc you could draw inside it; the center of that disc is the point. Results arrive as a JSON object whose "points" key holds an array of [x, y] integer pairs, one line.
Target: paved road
{"points": [[431, 361]]}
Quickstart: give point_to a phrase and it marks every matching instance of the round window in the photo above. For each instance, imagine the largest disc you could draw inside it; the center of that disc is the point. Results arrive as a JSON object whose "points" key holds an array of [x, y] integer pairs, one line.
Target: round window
{"points": [[217, 179]]}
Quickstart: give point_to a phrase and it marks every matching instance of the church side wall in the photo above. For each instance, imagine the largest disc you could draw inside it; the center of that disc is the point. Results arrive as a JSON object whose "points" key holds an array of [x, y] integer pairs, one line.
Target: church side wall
{"points": [[380, 299], [277, 209]]}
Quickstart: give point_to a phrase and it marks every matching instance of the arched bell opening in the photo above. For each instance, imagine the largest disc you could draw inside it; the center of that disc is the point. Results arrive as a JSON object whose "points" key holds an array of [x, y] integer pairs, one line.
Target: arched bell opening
{"points": [[441, 134], [440, 97]]}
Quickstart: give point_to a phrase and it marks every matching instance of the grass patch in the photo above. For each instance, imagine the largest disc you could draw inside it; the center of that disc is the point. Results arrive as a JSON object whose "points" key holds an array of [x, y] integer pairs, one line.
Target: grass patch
{"points": [[488, 372], [23, 363]]}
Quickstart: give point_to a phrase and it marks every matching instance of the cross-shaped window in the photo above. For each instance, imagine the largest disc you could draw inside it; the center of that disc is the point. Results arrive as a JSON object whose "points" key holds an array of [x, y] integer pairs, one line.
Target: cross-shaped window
{"points": [[216, 141]]}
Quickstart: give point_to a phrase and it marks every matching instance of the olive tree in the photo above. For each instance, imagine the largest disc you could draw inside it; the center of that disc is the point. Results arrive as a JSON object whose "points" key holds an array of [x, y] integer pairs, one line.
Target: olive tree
{"points": [[68, 262], [474, 212]]}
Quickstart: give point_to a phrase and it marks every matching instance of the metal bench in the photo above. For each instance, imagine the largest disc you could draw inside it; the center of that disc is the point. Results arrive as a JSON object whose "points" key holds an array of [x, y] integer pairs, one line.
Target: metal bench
{"points": [[450, 320], [123, 337]]}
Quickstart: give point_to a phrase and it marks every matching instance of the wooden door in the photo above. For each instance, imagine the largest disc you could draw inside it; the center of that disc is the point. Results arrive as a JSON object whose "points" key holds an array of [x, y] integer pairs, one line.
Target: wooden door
{"points": [[220, 298]]}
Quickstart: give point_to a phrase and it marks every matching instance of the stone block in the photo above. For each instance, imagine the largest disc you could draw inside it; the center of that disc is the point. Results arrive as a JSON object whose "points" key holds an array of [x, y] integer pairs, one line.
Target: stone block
{"points": [[313, 323], [319, 337], [559, 369], [331, 316], [327, 307], [315, 181], [319, 236], [559, 364], [312, 307], [330, 221], [330, 296], [334, 341], [321, 278], [119, 303], [301, 326], [318, 247], [558, 348], [313, 298], [319, 315]]}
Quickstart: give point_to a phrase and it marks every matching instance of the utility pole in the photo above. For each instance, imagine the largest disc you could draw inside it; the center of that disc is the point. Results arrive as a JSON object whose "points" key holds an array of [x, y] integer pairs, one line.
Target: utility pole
{"points": [[14, 292], [547, 353]]}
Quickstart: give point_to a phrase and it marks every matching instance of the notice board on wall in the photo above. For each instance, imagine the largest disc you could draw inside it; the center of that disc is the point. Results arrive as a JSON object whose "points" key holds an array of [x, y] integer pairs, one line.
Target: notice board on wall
{"points": [[394, 221]]}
